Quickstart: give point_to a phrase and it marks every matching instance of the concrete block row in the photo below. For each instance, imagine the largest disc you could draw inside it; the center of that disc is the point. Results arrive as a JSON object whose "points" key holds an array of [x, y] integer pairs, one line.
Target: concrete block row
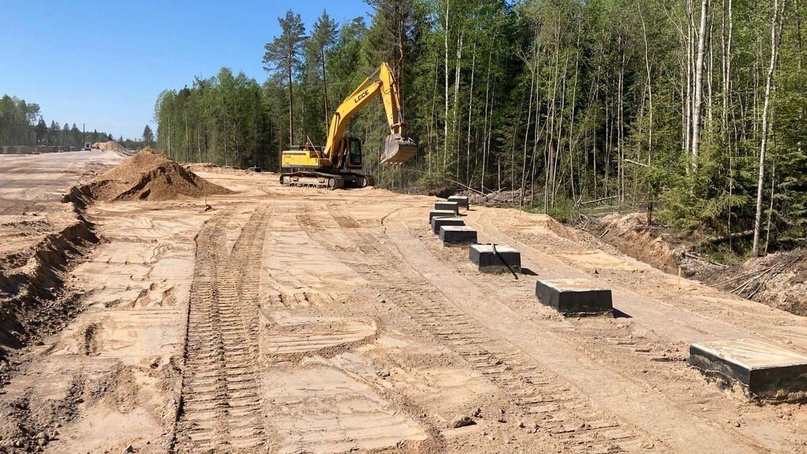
{"points": [[446, 223], [762, 369], [457, 235], [441, 214]]}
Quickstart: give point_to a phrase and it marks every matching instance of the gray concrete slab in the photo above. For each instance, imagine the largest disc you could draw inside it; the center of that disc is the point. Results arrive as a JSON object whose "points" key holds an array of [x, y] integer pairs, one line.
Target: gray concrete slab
{"points": [[764, 369], [452, 235], [574, 296], [451, 206], [460, 200], [439, 222], [498, 258], [441, 214]]}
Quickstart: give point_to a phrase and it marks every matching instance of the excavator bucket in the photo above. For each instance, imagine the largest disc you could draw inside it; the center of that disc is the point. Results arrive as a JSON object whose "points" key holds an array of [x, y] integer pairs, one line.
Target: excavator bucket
{"points": [[398, 149]]}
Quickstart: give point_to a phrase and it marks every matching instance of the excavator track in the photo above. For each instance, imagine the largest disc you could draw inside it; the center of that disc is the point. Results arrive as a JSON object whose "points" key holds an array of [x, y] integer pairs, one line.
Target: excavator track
{"points": [[326, 180]]}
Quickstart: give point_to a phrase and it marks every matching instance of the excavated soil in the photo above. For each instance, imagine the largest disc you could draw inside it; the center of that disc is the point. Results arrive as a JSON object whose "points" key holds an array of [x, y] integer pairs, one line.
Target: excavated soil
{"points": [[110, 146], [147, 176], [291, 320]]}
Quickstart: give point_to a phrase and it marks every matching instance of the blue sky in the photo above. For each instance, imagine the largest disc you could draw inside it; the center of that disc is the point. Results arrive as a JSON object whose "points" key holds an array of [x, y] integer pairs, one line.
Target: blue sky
{"points": [[104, 63]]}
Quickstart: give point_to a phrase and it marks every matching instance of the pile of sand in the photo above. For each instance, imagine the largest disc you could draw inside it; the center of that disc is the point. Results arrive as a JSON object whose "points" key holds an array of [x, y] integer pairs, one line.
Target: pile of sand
{"points": [[147, 176], [109, 146]]}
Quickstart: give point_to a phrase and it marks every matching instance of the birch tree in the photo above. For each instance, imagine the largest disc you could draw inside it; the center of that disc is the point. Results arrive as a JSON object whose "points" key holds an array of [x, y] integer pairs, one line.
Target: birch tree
{"points": [[776, 15]]}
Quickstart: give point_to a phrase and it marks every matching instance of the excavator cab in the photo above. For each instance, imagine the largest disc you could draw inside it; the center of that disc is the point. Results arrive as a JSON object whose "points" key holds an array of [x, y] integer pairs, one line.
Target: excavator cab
{"points": [[353, 153]]}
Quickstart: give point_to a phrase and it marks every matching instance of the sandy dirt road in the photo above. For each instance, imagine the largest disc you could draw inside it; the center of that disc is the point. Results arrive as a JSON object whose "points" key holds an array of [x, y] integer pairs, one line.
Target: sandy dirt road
{"points": [[297, 320], [31, 190]]}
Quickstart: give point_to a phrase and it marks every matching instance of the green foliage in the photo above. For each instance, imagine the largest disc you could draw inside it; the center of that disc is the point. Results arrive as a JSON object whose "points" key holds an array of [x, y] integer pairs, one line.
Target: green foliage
{"points": [[22, 124], [148, 136], [222, 119], [282, 58], [564, 101]]}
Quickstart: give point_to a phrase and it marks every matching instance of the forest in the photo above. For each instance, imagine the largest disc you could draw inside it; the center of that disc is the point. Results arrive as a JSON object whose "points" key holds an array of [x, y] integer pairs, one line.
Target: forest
{"points": [[693, 111], [21, 123]]}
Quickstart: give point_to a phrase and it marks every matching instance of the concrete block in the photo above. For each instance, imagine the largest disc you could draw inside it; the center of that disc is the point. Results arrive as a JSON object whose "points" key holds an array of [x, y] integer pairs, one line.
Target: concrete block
{"points": [[574, 296], [450, 206], [457, 234], [764, 369], [439, 222], [502, 259], [460, 200], [440, 214]]}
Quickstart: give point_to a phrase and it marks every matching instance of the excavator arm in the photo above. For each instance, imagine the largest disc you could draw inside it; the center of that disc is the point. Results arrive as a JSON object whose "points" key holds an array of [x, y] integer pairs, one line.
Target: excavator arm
{"points": [[398, 148]]}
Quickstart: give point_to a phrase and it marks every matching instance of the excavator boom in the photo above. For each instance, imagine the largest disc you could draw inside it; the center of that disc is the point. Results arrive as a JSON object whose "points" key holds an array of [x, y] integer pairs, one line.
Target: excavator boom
{"points": [[398, 148]]}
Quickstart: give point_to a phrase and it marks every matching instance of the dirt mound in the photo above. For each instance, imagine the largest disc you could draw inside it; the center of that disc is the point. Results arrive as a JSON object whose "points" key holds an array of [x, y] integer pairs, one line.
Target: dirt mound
{"points": [[146, 176], [109, 146]]}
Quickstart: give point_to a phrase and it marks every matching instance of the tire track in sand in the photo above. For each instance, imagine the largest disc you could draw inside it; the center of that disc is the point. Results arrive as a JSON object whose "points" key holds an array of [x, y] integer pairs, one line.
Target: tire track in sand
{"points": [[221, 406], [563, 412]]}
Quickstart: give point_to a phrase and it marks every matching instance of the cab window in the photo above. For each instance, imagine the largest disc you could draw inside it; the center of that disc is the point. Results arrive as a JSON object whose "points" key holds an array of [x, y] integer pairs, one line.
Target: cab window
{"points": [[355, 153]]}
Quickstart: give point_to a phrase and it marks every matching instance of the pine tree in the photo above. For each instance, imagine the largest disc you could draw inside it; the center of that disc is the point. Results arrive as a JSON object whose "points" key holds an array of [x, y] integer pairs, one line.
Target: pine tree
{"points": [[148, 136], [283, 56]]}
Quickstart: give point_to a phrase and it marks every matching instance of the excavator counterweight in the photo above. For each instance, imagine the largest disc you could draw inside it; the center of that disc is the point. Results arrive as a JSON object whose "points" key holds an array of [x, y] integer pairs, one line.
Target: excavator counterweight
{"points": [[336, 164]]}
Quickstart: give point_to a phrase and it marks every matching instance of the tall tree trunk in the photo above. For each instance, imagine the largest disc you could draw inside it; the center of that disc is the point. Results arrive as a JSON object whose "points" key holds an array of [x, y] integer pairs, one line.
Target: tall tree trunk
{"points": [[291, 108], [621, 129], [649, 89], [572, 116], [727, 135], [445, 118], [401, 37], [454, 121], [485, 144], [770, 208], [696, 107], [470, 113], [433, 135], [325, 88], [775, 16], [689, 78], [709, 79], [549, 125], [533, 76]]}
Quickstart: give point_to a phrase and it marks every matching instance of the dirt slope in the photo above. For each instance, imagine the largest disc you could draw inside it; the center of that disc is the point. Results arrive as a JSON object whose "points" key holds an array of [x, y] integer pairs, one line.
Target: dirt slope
{"points": [[41, 241], [778, 280]]}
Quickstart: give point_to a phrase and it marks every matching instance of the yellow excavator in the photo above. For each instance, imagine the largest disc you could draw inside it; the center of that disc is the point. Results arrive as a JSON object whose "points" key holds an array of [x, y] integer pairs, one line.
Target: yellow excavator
{"points": [[335, 165]]}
